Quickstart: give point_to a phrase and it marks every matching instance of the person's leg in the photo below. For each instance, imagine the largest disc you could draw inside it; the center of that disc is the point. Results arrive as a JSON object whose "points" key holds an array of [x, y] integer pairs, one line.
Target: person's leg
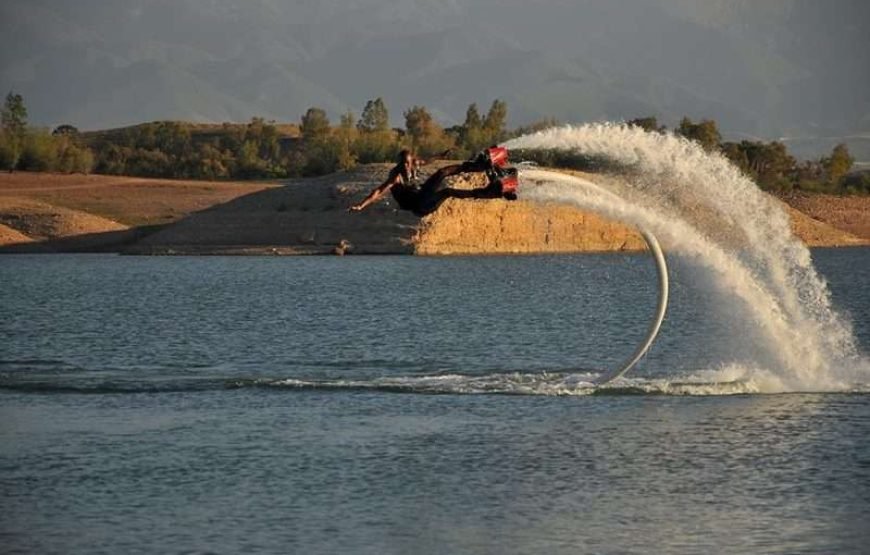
{"points": [[435, 182], [435, 190]]}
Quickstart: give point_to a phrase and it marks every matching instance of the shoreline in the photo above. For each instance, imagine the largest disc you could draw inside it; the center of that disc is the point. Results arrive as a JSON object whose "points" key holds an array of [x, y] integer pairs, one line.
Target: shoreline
{"points": [[52, 213]]}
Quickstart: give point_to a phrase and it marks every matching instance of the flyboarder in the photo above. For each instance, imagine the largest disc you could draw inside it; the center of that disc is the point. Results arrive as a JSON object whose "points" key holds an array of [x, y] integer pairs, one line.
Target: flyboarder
{"points": [[426, 198]]}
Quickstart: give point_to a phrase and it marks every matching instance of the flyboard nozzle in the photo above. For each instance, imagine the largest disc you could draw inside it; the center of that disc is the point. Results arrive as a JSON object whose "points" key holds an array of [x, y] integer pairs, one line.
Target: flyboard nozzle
{"points": [[498, 156]]}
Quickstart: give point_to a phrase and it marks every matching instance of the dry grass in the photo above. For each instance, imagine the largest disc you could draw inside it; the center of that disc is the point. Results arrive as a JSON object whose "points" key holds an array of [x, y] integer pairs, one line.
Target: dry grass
{"points": [[848, 213], [126, 200]]}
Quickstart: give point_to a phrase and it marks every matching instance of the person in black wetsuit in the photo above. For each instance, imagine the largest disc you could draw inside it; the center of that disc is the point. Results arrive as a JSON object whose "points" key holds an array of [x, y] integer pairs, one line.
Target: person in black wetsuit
{"points": [[428, 197]]}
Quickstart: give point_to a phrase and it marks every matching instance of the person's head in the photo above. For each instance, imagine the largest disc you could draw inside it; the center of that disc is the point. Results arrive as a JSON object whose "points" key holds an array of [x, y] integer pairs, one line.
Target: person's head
{"points": [[405, 158], [406, 161]]}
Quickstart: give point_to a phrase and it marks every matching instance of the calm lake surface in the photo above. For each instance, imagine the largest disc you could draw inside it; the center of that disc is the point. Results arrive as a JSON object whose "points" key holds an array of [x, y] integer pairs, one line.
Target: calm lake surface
{"points": [[408, 405]]}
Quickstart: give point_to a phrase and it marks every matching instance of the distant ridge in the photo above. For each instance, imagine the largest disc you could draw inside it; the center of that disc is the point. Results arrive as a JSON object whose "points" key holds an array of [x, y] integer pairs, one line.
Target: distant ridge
{"points": [[765, 69]]}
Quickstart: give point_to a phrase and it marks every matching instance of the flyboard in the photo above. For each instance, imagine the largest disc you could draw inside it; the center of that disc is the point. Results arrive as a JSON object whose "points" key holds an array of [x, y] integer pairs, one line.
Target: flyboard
{"points": [[508, 178]]}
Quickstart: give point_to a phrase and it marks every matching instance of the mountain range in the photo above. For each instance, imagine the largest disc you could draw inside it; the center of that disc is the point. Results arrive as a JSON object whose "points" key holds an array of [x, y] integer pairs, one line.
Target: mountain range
{"points": [[798, 69]]}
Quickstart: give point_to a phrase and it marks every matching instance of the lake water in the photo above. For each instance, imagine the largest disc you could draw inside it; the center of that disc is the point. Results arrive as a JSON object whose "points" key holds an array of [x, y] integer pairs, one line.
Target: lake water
{"points": [[410, 405]]}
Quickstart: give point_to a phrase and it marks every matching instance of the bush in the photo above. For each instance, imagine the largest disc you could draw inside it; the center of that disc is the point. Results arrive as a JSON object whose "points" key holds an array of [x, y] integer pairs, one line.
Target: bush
{"points": [[39, 153], [856, 183], [75, 159], [9, 152], [376, 146]]}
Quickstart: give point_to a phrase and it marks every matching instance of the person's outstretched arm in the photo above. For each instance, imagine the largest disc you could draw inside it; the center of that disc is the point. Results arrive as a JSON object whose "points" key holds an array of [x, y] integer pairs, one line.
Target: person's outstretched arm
{"points": [[376, 193]]}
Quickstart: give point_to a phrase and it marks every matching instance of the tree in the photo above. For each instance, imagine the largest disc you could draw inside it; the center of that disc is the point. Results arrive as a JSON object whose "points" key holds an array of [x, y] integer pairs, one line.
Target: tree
{"points": [[838, 164], [477, 133], [13, 128], [375, 117], [248, 162], [346, 135], [858, 182], [737, 155], [72, 158], [771, 164], [14, 116], [471, 136], [315, 125], [8, 153], [376, 142], [213, 163], [418, 124], [265, 137], [39, 152], [172, 138], [649, 123], [495, 121], [706, 133], [472, 117], [426, 136]]}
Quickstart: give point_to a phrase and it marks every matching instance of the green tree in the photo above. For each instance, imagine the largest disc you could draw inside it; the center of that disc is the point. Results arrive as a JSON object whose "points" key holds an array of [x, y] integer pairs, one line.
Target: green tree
{"points": [[472, 117], [213, 163], [265, 136], [8, 152], [771, 164], [858, 182], [838, 164], [112, 159], [346, 135], [13, 116], [376, 141], [172, 138], [495, 121], [315, 125], [471, 136], [149, 162], [39, 152], [375, 117], [418, 124], [72, 157], [13, 128], [706, 133], [377, 146], [736, 153], [248, 161], [426, 136]]}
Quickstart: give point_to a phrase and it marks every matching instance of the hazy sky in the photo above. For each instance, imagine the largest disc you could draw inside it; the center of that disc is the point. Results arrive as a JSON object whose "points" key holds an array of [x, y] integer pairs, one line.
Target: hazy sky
{"points": [[761, 68]]}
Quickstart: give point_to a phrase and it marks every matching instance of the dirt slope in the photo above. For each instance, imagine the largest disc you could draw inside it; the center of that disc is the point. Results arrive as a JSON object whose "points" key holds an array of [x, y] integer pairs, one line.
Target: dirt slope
{"points": [[302, 217], [42, 212], [11, 236], [127, 200], [849, 213]]}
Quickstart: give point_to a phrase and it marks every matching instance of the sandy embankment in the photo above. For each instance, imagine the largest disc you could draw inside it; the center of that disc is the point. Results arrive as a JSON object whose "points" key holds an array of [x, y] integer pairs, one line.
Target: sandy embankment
{"points": [[42, 212], [57, 213]]}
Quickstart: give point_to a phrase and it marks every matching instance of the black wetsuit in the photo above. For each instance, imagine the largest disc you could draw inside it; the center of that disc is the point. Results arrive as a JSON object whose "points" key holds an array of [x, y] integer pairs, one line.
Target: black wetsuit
{"points": [[428, 197]]}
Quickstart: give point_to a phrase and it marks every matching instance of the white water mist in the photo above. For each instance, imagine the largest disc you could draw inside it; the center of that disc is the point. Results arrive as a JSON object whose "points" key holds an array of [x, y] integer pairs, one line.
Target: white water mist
{"points": [[703, 208]]}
